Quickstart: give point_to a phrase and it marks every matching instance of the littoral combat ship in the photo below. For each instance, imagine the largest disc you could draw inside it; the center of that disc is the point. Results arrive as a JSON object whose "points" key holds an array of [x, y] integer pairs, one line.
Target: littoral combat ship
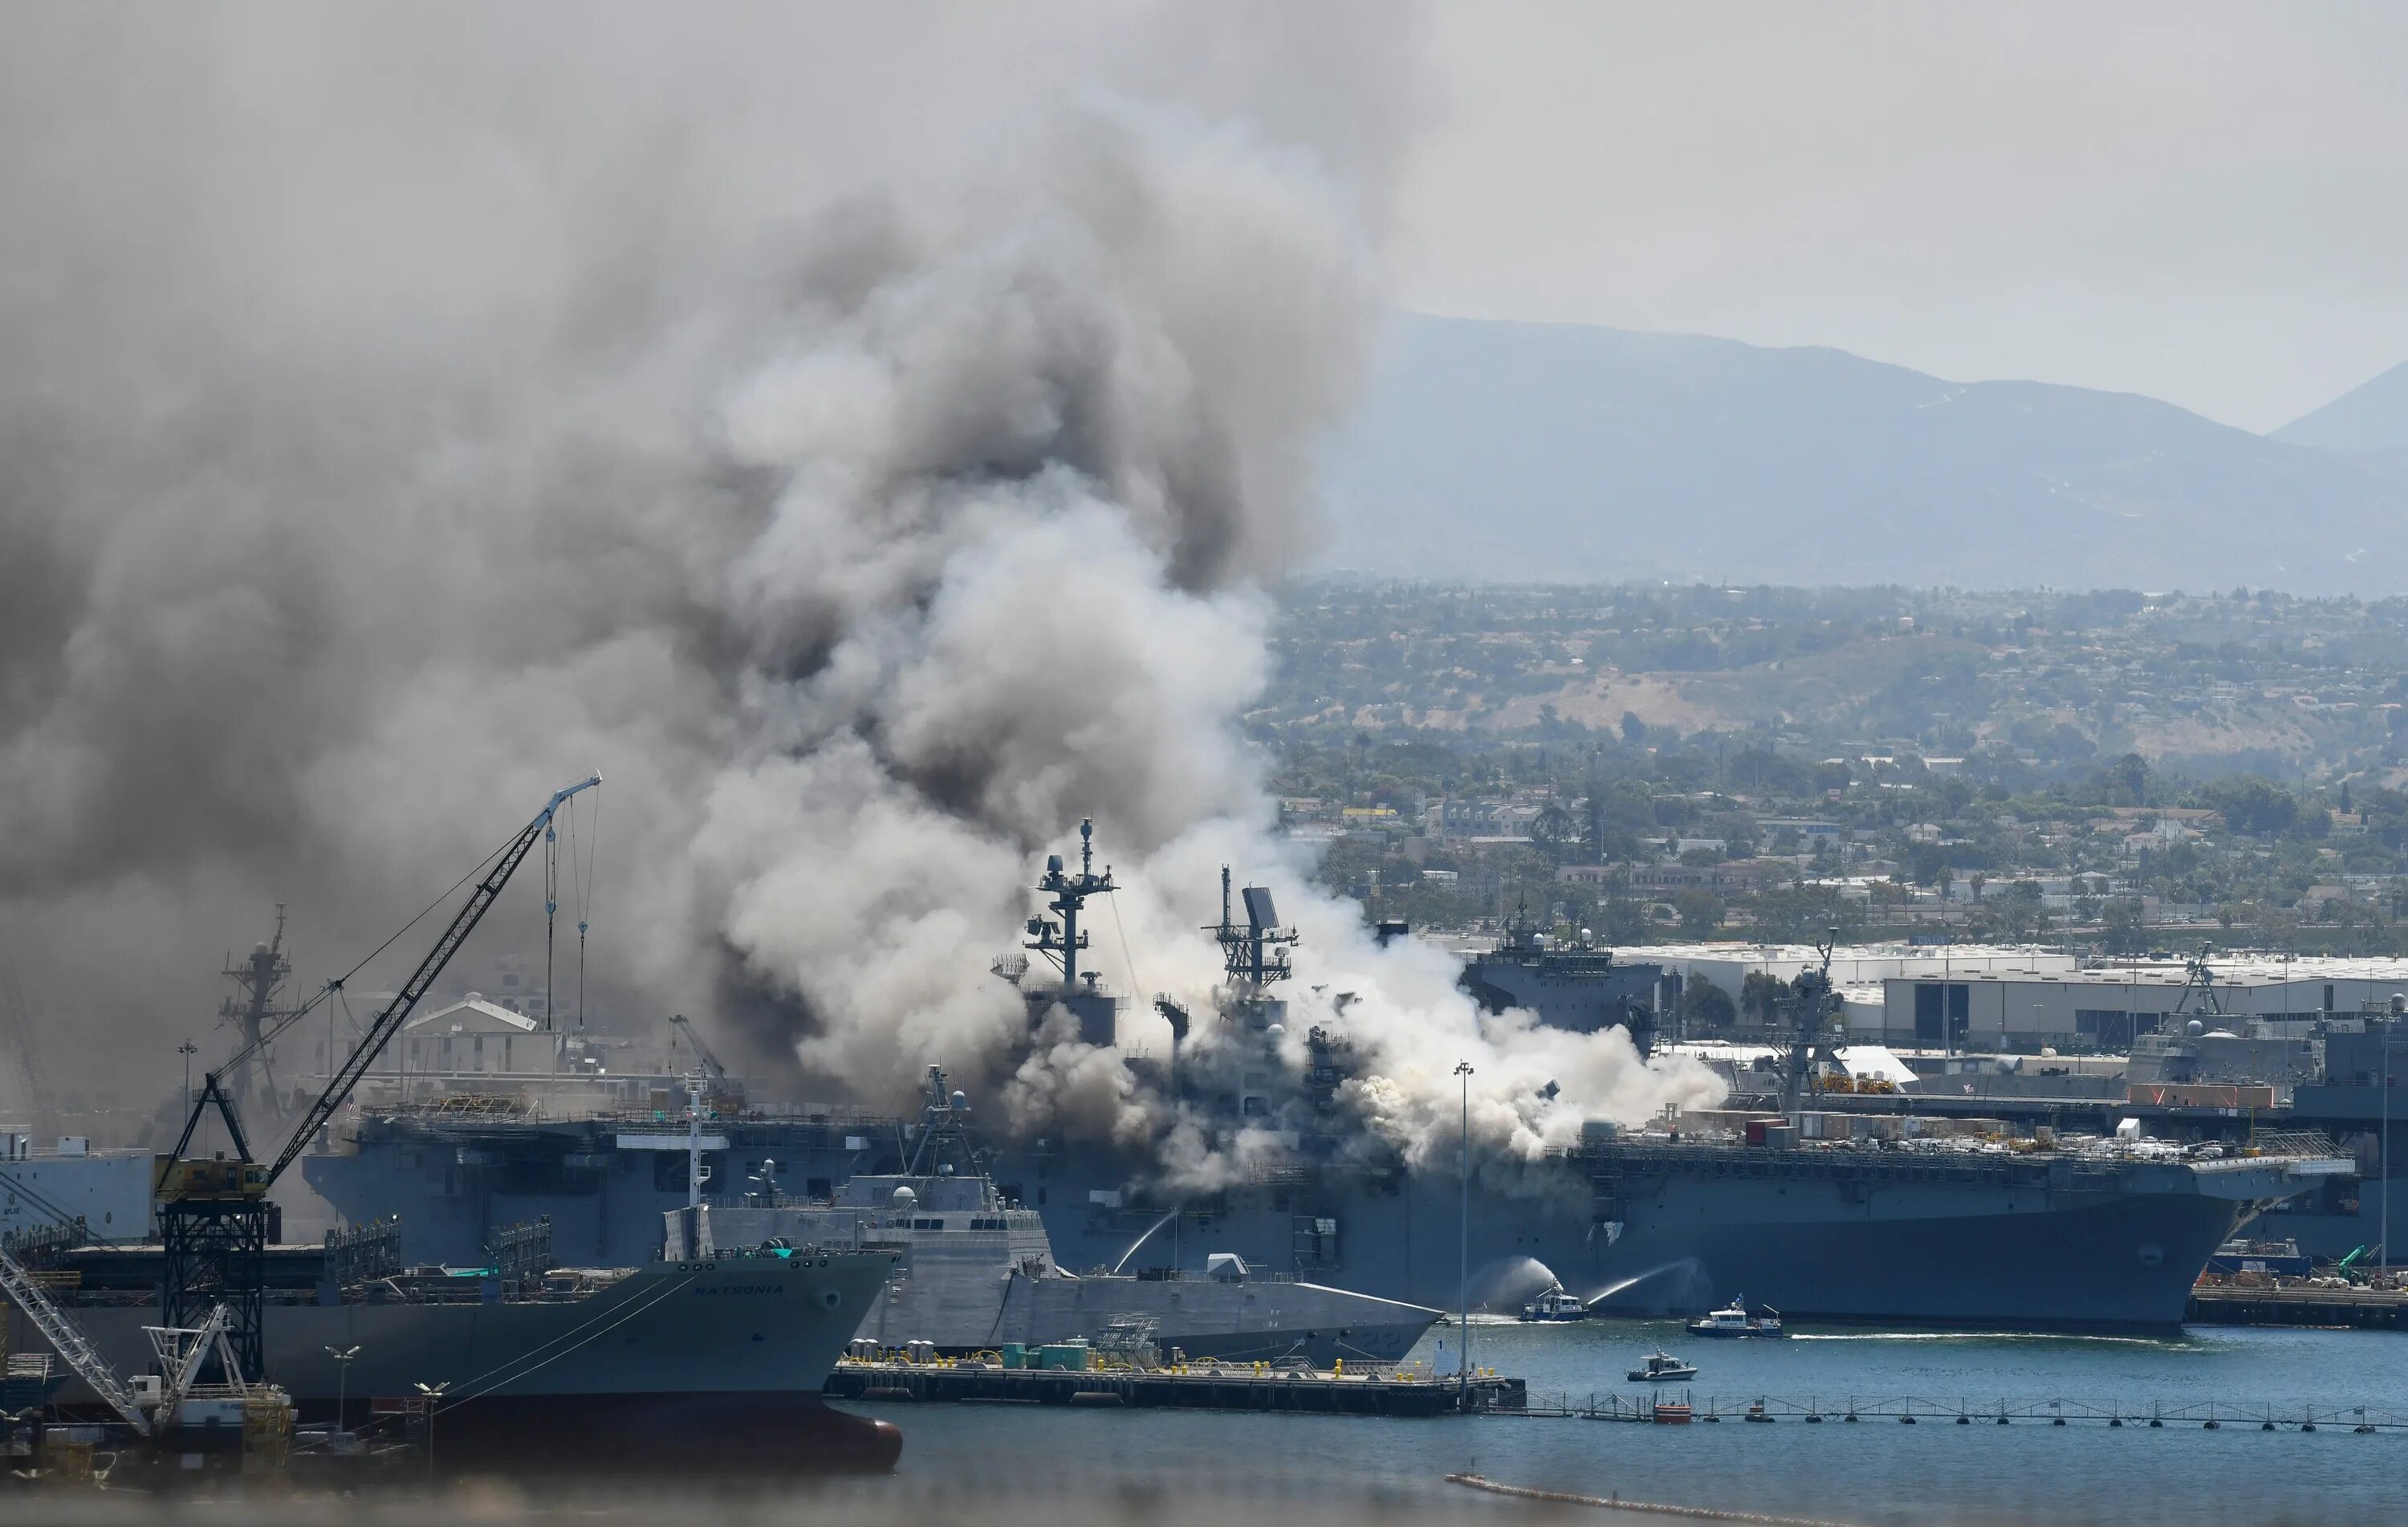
{"points": [[1675, 1218], [974, 1273]]}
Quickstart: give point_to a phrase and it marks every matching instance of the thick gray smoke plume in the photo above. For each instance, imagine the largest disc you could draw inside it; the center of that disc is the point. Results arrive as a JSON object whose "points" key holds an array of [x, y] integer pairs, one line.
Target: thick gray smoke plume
{"points": [[862, 440]]}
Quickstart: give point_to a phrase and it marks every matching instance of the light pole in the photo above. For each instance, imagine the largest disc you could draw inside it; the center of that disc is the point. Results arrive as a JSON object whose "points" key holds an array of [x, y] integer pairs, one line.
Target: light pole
{"points": [[1462, 1359], [2389, 1044], [343, 1356], [188, 1049]]}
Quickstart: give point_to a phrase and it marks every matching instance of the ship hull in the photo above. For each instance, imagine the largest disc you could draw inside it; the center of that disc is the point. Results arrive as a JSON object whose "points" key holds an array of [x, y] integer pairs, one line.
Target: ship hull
{"points": [[1885, 1251], [1851, 1237], [964, 1283], [675, 1360]]}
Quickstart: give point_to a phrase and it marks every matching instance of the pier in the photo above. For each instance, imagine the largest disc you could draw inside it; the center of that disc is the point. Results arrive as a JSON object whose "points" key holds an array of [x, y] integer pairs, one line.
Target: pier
{"points": [[1684, 1409], [1187, 1386], [2361, 1309]]}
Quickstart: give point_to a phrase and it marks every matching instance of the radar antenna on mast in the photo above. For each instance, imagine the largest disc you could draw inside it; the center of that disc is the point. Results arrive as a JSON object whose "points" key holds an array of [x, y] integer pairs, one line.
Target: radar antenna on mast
{"points": [[1060, 941], [2199, 981]]}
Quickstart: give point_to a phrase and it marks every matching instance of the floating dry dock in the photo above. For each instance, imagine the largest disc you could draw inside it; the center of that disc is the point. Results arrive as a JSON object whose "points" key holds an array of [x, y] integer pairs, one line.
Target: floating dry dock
{"points": [[1188, 1387]]}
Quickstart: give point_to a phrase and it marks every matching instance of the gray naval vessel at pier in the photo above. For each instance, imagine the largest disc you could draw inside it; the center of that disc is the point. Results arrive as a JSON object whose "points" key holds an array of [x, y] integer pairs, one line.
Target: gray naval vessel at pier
{"points": [[716, 1359], [975, 1272], [1674, 1218], [1571, 983]]}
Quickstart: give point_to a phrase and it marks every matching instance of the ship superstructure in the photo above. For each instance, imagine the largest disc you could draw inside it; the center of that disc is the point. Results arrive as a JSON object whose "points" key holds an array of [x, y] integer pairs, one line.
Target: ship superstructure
{"points": [[974, 1271], [1568, 983]]}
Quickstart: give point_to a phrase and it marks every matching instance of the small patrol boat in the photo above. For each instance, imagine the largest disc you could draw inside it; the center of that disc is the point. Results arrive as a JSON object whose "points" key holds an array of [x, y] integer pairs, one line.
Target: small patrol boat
{"points": [[1555, 1305], [1662, 1367], [1733, 1320]]}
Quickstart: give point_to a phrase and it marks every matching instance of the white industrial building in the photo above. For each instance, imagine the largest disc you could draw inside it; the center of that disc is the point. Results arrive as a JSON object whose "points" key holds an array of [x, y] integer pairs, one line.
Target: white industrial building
{"points": [[1728, 964], [470, 1037], [2101, 1007]]}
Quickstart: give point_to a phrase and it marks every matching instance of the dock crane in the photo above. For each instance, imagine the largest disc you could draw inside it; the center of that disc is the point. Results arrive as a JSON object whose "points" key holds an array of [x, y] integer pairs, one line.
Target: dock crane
{"points": [[710, 1066], [214, 1216]]}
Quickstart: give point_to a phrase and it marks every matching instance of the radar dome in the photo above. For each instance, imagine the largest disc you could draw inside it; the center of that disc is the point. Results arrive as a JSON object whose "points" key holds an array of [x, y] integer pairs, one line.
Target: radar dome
{"points": [[1275, 1030], [2194, 1027], [961, 1100], [905, 1198]]}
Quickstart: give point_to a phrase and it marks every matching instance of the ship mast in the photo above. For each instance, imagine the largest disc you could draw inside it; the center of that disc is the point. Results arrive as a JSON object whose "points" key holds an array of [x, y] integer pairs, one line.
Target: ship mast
{"points": [[1254, 955], [1061, 942], [258, 980]]}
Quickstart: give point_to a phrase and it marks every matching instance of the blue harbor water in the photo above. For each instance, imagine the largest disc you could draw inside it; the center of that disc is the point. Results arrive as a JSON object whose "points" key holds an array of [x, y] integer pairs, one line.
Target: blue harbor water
{"points": [[1877, 1472]]}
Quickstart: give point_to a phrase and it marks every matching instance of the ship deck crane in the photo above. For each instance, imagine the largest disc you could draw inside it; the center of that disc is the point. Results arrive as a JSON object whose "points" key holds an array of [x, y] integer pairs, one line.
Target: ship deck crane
{"points": [[214, 1216]]}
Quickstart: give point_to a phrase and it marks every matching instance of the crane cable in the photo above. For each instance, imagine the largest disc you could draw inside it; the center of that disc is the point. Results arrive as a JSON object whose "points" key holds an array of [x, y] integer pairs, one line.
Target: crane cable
{"points": [[1125, 957], [551, 905], [580, 884]]}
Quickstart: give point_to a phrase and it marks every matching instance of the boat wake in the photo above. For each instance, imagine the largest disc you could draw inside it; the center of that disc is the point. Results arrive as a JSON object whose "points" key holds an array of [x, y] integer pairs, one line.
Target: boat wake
{"points": [[1989, 1336]]}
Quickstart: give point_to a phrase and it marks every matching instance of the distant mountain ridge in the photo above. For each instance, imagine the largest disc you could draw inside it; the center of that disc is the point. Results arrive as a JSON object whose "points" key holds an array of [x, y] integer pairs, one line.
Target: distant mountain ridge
{"points": [[1526, 450], [2371, 416]]}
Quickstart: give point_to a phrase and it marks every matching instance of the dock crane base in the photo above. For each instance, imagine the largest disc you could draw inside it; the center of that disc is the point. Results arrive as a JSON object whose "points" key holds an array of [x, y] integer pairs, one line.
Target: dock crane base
{"points": [[215, 1253]]}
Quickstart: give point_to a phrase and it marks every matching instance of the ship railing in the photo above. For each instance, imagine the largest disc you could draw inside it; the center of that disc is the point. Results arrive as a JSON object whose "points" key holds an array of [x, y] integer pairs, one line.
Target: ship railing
{"points": [[2313, 1144], [1606, 1163]]}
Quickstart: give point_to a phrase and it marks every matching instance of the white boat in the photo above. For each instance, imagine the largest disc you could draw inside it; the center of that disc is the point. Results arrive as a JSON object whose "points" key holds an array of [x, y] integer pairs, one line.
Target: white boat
{"points": [[1662, 1367], [1733, 1320], [1555, 1305]]}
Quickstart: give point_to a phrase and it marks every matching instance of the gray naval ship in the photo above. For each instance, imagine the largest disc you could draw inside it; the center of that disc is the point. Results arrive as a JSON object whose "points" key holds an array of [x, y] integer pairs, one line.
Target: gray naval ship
{"points": [[2052, 1233], [974, 1271], [1573, 983], [718, 1358]]}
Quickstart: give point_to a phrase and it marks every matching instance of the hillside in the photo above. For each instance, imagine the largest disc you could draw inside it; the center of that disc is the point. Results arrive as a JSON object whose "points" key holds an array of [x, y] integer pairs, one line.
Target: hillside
{"points": [[1519, 450], [2373, 416]]}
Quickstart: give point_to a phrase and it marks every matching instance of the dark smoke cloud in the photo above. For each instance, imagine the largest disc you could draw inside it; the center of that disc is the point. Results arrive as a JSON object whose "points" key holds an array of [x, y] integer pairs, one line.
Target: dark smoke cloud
{"points": [[405, 409], [862, 438]]}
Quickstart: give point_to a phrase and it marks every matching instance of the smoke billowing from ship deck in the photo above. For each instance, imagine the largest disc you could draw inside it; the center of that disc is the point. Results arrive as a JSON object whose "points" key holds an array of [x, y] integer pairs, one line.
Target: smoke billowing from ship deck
{"points": [[868, 457]]}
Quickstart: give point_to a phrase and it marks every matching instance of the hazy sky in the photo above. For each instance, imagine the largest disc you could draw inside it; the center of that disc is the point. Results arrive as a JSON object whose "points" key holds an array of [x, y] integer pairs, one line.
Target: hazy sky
{"points": [[2204, 203]]}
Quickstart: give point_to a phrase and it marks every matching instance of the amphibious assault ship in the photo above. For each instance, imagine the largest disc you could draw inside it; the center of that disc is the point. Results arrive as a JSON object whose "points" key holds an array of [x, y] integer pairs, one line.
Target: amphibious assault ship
{"points": [[1670, 1219]]}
